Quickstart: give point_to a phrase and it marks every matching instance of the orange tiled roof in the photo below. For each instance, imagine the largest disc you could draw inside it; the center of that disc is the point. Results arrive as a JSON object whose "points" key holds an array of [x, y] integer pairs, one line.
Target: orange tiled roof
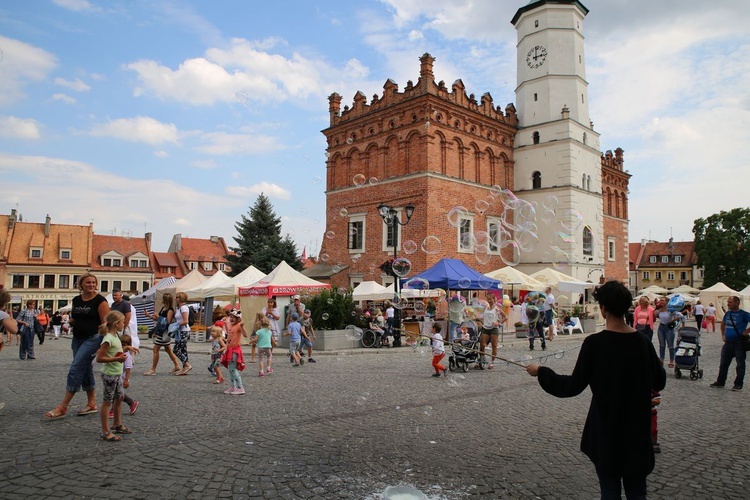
{"points": [[634, 250], [124, 246], [24, 235], [659, 249], [204, 250], [166, 259]]}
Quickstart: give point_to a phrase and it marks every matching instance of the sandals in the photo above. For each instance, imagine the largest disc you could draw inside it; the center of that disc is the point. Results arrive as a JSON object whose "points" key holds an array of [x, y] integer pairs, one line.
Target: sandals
{"points": [[184, 370], [88, 410], [175, 369], [110, 437], [150, 372], [56, 413], [121, 429]]}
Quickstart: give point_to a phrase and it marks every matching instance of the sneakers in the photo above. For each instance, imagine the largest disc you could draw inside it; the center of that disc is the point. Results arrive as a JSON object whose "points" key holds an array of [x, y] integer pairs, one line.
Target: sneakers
{"points": [[211, 371], [295, 365], [737, 388], [436, 375], [111, 414], [239, 391], [134, 407], [261, 374], [219, 381], [270, 370], [230, 390], [310, 360], [717, 385], [445, 373]]}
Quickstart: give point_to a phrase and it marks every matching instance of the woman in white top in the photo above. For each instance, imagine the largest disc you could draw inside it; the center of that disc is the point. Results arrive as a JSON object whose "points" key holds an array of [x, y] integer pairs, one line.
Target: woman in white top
{"points": [[711, 317], [181, 316], [271, 312], [699, 310]]}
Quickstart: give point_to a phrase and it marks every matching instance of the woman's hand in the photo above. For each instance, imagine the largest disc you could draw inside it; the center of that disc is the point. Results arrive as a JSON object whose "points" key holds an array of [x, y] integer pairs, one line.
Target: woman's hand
{"points": [[533, 370]]}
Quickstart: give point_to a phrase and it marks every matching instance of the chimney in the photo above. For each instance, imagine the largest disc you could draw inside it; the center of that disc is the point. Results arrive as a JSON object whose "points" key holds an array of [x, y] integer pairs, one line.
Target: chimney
{"points": [[214, 239], [671, 243], [47, 224], [334, 106], [426, 76], [148, 239], [565, 112], [12, 218]]}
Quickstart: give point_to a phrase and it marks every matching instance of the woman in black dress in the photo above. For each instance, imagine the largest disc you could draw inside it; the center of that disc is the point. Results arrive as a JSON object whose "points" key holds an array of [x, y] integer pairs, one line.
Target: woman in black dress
{"points": [[622, 369]]}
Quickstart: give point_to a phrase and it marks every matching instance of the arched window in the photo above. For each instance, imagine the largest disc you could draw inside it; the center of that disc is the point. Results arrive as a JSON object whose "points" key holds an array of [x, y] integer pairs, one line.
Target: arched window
{"points": [[583, 181], [536, 180], [584, 137], [588, 242], [535, 137], [588, 183]]}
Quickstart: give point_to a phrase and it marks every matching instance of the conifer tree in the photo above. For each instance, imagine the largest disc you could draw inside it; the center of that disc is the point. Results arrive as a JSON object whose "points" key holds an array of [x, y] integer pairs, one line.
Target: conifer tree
{"points": [[259, 241]]}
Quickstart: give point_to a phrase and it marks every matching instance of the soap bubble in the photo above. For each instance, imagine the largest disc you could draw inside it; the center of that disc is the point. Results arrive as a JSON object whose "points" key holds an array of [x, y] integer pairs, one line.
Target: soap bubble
{"points": [[481, 206], [456, 304], [330, 235], [242, 97], [418, 306], [485, 283], [401, 267], [431, 245], [464, 283], [353, 332], [359, 180], [343, 212], [441, 294], [417, 284], [532, 313], [324, 257], [561, 259], [482, 255], [527, 240], [372, 181], [317, 179], [330, 302], [550, 202], [506, 196], [324, 316], [548, 217], [570, 220], [496, 191], [410, 247], [399, 301], [563, 241], [336, 268], [468, 240], [349, 140], [455, 215], [510, 253]]}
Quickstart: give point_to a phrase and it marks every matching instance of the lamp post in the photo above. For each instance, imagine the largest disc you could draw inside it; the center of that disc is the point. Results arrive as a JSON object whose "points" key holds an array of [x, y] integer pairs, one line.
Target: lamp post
{"points": [[391, 219]]}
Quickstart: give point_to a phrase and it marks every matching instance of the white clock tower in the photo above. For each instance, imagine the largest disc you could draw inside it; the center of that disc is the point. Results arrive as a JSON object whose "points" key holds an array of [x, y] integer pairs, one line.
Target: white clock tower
{"points": [[557, 155]]}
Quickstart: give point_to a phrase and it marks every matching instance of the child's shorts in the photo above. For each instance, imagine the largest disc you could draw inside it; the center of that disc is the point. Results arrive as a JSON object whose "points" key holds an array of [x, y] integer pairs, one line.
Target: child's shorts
{"points": [[293, 347], [113, 389], [265, 351]]}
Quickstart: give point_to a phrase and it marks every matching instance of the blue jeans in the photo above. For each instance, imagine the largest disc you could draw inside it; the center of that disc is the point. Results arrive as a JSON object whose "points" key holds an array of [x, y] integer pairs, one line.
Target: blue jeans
{"points": [[81, 372], [452, 327], [732, 350], [548, 317], [635, 486], [26, 347], [666, 339]]}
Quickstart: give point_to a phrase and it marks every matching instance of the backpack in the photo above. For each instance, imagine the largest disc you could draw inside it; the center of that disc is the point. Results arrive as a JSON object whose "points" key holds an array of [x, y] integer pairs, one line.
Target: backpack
{"points": [[192, 316]]}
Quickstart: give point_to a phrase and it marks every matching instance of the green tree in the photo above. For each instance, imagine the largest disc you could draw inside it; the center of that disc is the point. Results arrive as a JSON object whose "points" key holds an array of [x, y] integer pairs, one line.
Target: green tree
{"points": [[722, 243], [259, 241]]}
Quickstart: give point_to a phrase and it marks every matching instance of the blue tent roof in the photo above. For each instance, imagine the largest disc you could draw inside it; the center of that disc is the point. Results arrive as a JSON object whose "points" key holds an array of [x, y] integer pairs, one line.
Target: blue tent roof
{"points": [[447, 273]]}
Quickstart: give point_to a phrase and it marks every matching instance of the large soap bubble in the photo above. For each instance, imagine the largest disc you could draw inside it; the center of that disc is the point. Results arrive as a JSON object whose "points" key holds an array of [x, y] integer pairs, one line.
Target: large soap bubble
{"points": [[401, 267], [432, 245], [455, 215], [510, 253], [570, 219]]}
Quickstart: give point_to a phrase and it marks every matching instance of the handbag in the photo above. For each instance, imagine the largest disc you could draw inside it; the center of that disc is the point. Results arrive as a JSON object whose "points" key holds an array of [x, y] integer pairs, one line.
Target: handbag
{"points": [[744, 338], [38, 328]]}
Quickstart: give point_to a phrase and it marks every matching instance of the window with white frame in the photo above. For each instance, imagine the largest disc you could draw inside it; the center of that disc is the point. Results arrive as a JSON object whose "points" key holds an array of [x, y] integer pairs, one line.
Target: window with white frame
{"points": [[670, 275], [65, 254], [465, 230], [222, 267], [700, 273], [356, 234], [610, 249], [588, 242], [657, 275], [63, 281], [664, 259], [677, 259], [208, 266], [193, 265], [35, 253], [646, 275], [494, 230], [116, 262], [107, 262], [391, 233], [652, 259]]}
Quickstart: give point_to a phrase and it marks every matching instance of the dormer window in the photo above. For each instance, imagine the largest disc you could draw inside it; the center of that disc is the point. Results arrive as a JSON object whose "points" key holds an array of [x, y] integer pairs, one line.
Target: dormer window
{"points": [[664, 259], [678, 259], [208, 266], [65, 254], [652, 259], [35, 253], [116, 262], [193, 265], [107, 262]]}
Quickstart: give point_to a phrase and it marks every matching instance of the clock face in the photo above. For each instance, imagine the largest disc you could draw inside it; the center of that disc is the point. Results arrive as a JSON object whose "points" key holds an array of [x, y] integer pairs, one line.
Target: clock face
{"points": [[536, 57]]}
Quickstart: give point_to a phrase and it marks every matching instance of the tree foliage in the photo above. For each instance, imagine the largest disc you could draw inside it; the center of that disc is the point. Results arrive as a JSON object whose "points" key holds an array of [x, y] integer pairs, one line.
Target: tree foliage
{"points": [[722, 243], [331, 309], [259, 241]]}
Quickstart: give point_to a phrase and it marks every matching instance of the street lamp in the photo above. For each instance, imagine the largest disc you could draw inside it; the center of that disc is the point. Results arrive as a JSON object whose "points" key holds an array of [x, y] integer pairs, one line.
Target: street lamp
{"points": [[391, 219]]}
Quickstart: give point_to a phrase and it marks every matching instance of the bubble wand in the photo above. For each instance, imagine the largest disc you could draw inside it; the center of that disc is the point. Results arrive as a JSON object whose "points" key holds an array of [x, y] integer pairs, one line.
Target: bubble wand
{"points": [[510, 361]]}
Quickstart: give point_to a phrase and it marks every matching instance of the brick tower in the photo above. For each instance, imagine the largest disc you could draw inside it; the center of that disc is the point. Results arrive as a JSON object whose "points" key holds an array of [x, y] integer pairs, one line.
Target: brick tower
{"points": [[428, 145], [615, 182]]}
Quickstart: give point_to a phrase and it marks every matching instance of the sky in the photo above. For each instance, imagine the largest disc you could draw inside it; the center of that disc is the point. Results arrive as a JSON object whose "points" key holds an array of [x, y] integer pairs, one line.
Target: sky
{"points": [[172, 116]]}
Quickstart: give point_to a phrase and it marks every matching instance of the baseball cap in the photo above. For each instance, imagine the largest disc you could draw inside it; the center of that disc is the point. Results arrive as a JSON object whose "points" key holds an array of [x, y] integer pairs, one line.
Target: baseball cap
{"points": [[235, 312], [295, 316], [295, 297]]}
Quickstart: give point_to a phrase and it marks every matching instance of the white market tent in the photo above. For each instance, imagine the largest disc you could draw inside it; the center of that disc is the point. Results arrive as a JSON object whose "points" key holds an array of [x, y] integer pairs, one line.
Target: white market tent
{"points": [[685, 289], [655, 289], [689, 299], [649, 295], [561, 281], [512, 276], [191, 280], [199, 292], [148, 295], [371, 290], [230, 289], [717, 295]]}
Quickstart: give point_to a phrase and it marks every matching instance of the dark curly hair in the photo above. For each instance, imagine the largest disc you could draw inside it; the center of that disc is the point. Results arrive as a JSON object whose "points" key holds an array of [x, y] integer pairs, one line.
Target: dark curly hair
{"points": [[614, 297]]}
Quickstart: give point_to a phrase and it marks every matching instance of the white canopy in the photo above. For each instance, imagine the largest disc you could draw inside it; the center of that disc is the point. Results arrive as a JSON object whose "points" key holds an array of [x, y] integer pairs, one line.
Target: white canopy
{"points": [[148, 295], [746, 290], [650, 296], [282, 281], [511, 276], [655, 289], [717, 295], [371, 290], [199, 292], [561, 281], [685, 289], [229, 289], [191, 280]]}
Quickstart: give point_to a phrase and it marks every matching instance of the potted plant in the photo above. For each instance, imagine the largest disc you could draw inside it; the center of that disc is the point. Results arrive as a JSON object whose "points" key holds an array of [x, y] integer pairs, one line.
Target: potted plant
{"points": [[332, 311], [588, 321]]}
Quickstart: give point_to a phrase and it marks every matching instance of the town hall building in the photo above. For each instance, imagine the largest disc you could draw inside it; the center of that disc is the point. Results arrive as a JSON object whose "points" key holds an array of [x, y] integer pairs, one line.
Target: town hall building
{"points": [[444, 163]]}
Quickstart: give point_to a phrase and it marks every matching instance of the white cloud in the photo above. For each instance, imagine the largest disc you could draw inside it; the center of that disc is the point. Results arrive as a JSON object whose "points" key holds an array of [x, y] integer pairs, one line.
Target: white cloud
{"points": [[267, 188], [222, 143], [204, 164], [22, 63], [64, 98], [139, 129], [77, 85], [18, 128], [161, 154], [246, 69], [75, 5]]}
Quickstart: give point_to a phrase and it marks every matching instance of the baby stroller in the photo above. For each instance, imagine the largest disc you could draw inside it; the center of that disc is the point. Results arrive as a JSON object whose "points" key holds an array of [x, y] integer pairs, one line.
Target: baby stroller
{"points": [[688, 353], [466, 352]]}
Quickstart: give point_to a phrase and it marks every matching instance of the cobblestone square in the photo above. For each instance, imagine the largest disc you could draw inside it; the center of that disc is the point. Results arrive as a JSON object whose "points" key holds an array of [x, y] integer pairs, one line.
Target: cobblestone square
{"points": [[351, 426]]}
